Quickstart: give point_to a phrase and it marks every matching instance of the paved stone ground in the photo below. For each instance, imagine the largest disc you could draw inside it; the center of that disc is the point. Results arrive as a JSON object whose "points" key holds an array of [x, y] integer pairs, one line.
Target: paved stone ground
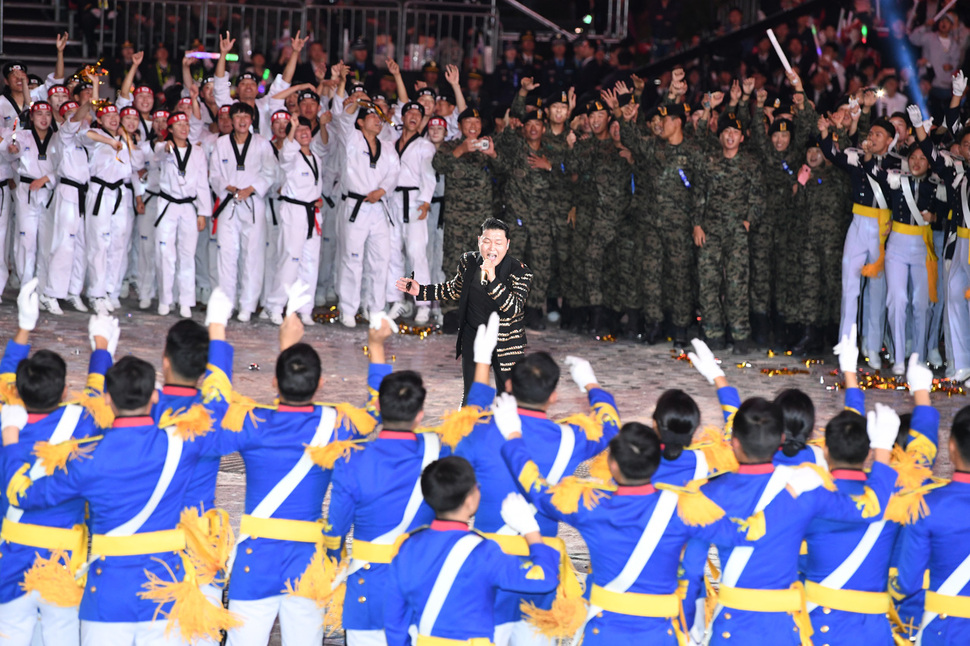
{"points": [[636, 374]]}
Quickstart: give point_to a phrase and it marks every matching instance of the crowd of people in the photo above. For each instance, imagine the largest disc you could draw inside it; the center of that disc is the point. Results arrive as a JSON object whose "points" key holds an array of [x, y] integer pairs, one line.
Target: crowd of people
{"points": [[112, 533]]}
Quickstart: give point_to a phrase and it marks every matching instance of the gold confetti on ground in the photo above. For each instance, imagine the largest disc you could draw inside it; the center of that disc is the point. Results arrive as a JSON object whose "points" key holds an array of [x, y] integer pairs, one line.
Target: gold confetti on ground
{"points": [[743, 364], [773, 372], [608, 338]]}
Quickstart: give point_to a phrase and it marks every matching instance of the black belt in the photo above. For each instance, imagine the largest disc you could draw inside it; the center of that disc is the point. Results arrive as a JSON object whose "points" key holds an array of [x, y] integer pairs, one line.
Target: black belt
{"points": [[150, 195], [360, 200], [272, 211], [28, 180], [441, 210], [329, 201], [406, 195], [171, 200], [82, 190], [222, 206], [114, 186], [311, 213]]}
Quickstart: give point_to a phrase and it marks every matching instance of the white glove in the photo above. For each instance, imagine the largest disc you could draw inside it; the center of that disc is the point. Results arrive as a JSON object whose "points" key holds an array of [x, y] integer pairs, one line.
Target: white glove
{"points": [[928, 124], [297, 297], [107, 327], [219, 308], [915, 115], [505, 411], [703, 359], [581, 372], [28, 306], [918, 376], [376, 316], [847, 350], [959, 83], [12, 415], [882, 425], [518, 515], [486, 339], [802, 480]]}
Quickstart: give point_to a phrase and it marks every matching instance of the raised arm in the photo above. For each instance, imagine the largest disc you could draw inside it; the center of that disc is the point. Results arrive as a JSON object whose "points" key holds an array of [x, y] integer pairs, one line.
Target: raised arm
{"points": [[297, 44], [136, 59]]}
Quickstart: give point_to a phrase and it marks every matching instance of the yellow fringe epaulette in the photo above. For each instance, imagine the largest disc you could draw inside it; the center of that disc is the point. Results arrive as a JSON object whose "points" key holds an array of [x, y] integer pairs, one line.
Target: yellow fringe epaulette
{"points": [[240, 407], [693, 507], [599, 467], [867, 503], [216, 385], [189, 424], [827, 481], [56, 456], [191, 612], [208, 542], [567, 493], [8, 391], [97, 407], [457, 424], [592, 425], [562, 620], [326, 456], [716, 449], [910, 467], [754, 527], [316, 582], [359, 418], [909, 505], [53, 579], [19, 484], [922, 447]]}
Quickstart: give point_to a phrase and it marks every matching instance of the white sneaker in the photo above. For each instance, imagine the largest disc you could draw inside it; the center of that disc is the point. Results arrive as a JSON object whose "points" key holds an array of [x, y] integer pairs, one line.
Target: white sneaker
{"points": [[106, 303], [423, 316], [934, 358], [185, 312], [874, 360], [115, 304], [100, 306], [144, 303], [264, 313], [397, 310], [307, 319], [348, 320], [899, 369], [77, 303], [51, 305], [244, 316], [961, 375], [163, 310], [276, 318]]}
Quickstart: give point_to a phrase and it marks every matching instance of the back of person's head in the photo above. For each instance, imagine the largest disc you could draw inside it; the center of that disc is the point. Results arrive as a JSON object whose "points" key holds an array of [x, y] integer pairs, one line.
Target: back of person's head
{"points": [[534, 378], [960, 432], [636, 451], [401, 396], [445, 483], [41, 379], [846, 438], [798, 415], [298, 373], [187, 349], [758, 428], [676, 417], [902, 436], [130, 382]]}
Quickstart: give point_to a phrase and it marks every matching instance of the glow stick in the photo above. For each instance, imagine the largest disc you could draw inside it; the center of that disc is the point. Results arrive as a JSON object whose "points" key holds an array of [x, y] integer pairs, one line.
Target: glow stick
{"points": [[212, 56], [944, 10], [778, 50], [818, 48]]}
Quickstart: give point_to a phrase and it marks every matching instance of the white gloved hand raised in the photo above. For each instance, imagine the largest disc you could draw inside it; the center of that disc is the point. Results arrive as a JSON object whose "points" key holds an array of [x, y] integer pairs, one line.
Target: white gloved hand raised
{"points": [[505, 411], [106, 327], [376, 316], [518, 515], [959, 83], [882, 425], [703, 360], [13, 416], [219, 308], [28, 305], [298, 296], [847, 350], [581, 371], [918, 376], [486, 339], [915, 115]]}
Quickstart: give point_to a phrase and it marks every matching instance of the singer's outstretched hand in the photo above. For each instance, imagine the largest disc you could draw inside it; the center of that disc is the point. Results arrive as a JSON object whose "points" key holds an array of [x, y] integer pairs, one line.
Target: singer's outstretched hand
{"points": [[403, 284]]}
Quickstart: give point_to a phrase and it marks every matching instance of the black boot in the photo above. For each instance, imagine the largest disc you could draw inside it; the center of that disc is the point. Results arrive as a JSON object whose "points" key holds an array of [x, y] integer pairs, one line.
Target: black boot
{"points": [[631, 330], [580, 317], [652, 332], [717, 343], [779, 333], [680, 337], [740, 346], [566, 313], [759, 329], [807, 343], [534, 319], [599, 321]]}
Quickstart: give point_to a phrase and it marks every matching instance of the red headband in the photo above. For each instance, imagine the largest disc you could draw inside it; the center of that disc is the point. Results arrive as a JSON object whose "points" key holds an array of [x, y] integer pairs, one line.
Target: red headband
{"points": [[176, 117], [70, 105]]}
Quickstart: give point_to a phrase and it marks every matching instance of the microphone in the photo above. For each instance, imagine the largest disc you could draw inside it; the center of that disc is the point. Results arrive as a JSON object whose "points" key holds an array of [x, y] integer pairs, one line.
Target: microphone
{"points": [[484, 277]]}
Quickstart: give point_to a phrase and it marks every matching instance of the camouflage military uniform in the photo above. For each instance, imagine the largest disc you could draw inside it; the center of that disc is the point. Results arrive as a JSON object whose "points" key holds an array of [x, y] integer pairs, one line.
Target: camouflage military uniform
{"points": [[562, 279], [734, 193], [468, 193]]}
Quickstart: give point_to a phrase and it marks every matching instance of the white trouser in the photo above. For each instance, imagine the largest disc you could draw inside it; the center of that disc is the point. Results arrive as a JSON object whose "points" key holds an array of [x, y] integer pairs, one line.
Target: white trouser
{"points": [[436, 245], [45, 240], [297, 255], [80, 269], [519, 633], [327, 273], [202, 259], [958, 307], [366, 240], [145, 272], [99, 236], [131, 633], [272, 250], [862, 247], [301, 621], [907, 285], [935, 326], [409, 248], [6, 209], [175, 240], [366, 638], [122, 224], [31, 211], [64, 246], [19, 618], [241, 235]]}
